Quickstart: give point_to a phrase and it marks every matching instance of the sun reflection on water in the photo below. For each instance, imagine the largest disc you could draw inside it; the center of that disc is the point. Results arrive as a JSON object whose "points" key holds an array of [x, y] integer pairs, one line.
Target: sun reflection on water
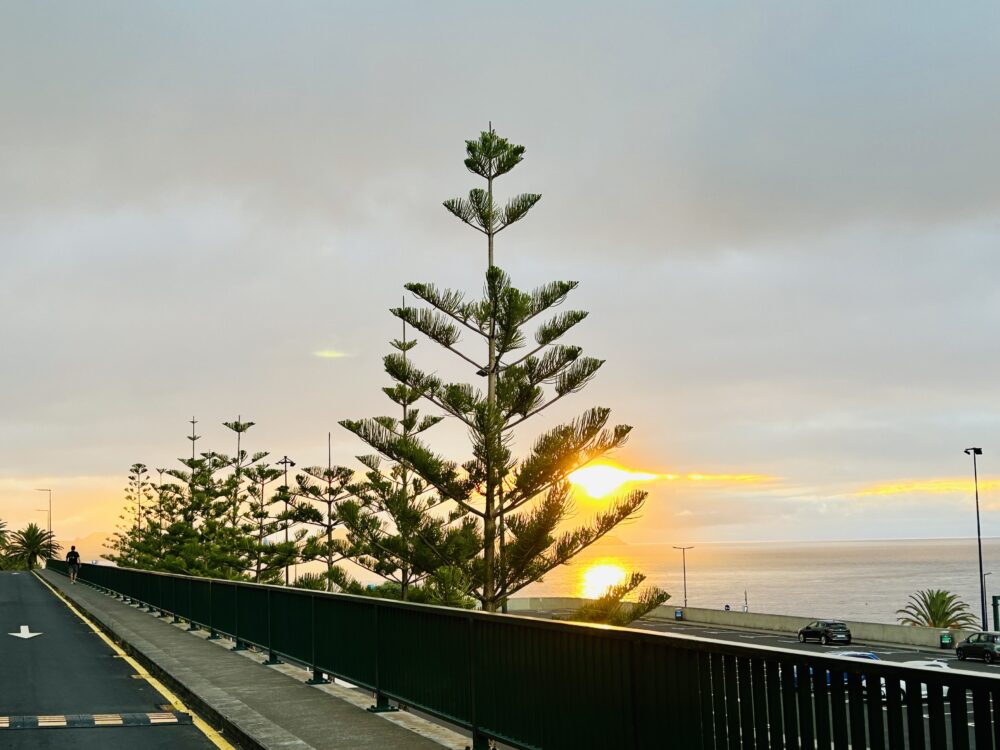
{"points": [[601, 576]]}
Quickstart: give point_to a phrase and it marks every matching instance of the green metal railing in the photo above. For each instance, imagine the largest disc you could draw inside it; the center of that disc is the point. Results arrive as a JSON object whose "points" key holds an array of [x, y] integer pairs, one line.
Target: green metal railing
{"points": [[538, 684]]}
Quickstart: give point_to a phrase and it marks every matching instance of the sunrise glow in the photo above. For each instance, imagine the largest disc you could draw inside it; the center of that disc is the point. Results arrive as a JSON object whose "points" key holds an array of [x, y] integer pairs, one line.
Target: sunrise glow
{"points": [[597, 579], [930, 487], [727, 478], [603, 479]]}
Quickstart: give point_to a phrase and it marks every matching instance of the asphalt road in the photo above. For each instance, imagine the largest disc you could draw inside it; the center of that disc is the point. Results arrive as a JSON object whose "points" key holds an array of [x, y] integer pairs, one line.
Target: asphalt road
{"points": [[789, 641], [69, 675]]}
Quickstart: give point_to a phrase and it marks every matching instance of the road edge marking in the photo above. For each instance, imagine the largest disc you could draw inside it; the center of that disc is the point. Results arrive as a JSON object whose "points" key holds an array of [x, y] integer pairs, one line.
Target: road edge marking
{"points": [[213, 735]]}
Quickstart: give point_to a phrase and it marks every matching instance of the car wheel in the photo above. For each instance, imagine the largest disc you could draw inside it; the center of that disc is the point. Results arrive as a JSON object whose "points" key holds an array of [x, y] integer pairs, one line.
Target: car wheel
{"points": [[825, 640], [988, 657], [802, 638], [960, 654]]}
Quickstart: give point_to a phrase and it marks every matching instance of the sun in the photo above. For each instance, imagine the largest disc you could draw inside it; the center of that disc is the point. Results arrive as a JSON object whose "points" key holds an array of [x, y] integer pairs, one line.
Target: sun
{"points": [[603, 479]]}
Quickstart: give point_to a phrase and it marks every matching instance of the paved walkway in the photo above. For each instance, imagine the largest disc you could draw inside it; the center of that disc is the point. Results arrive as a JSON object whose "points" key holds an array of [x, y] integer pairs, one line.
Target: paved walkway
{"points": [[256, 705], [61, 685]]}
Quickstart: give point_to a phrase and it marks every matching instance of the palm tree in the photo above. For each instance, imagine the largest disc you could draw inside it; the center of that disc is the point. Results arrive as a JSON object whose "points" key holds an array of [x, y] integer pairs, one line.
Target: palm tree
{"points": [[936, 608], [31, 543], [3, 534]]}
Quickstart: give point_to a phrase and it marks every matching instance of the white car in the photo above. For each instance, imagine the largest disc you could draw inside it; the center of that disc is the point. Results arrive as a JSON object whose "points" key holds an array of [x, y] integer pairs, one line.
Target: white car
{"points": [[933, 664], [923, 685]]}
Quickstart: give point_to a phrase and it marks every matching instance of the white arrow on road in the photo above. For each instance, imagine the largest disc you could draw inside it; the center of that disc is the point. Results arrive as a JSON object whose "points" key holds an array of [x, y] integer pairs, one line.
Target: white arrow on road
{"points": [[25, 633]]}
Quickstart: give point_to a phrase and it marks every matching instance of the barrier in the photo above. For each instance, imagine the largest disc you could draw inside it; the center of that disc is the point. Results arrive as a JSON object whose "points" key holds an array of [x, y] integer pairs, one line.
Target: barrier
{"points": [[537, 684]]}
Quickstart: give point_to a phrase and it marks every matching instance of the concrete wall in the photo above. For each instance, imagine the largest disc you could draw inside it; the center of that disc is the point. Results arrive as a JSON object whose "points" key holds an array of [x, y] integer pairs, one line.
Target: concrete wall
{"points": [[534, 603], [870, 632]]}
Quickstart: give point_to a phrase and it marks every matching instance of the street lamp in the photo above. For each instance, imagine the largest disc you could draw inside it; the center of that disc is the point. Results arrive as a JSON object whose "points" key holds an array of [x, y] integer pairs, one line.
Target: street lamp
{"points": [[286, 462], [50, 518], [979, 538], [684, 563]]}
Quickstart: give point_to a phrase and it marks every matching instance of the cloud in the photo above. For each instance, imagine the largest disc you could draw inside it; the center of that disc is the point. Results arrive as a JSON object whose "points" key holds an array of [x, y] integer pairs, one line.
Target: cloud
{"points": [[725, 478], [949, 486], [782, 217]]}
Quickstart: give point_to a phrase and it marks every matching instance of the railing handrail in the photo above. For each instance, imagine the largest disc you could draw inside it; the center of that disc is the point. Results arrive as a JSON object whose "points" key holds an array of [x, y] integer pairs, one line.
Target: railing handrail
{"points": [[847, 664]]}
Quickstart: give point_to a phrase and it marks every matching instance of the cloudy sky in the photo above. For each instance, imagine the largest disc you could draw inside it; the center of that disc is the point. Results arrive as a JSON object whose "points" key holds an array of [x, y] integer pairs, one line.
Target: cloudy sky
{"points": [[784, 218]]}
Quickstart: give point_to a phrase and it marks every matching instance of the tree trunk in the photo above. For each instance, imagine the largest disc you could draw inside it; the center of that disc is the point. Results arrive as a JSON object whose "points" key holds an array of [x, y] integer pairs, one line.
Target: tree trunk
{"points": [[489, 522]]}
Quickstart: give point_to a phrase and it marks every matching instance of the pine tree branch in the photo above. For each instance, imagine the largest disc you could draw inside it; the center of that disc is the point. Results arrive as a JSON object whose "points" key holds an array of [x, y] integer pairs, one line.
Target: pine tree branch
{"points": [[459, 416], [431, 323], [517, 208], [463, 210], [450, 302], [532, 413]]}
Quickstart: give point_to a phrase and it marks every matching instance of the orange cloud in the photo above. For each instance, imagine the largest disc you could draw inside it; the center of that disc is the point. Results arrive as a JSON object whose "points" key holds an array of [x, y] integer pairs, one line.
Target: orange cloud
{"points": [[599, 480], [929, 487]]}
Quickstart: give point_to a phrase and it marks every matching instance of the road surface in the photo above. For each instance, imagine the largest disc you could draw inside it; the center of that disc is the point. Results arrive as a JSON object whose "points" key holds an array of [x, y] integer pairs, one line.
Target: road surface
{"points": [[67, 687]]}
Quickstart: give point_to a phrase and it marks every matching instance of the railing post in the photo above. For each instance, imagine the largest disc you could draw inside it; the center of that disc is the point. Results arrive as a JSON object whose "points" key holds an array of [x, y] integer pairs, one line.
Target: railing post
{"points": [[192, 625], [212, 635], [381, 702], [479, 740], [272, 658], [238, 645], [173, 599], [317, 677]]}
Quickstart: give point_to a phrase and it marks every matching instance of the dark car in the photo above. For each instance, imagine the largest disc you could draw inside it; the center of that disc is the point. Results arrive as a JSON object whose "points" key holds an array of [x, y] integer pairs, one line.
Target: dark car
{"points": [[985, 646], [826, 632]]}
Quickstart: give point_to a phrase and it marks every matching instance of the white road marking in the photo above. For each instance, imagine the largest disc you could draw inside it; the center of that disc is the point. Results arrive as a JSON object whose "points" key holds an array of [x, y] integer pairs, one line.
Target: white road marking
{"points": [[25, 633]]}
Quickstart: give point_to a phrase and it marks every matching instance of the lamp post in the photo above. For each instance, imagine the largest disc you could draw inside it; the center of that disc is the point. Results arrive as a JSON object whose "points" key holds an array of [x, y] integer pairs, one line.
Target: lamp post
{"points": [[685, 567], [979, 538], [983, 579], [286, 462], [50, 518]]}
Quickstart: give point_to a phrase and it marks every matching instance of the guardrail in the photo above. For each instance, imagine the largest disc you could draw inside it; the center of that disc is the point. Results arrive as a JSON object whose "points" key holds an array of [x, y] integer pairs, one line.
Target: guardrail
{"points": [[542, 685]]}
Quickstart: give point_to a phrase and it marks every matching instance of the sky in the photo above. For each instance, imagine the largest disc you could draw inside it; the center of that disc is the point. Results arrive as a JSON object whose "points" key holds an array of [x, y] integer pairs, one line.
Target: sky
{"points": [[784, 218]]}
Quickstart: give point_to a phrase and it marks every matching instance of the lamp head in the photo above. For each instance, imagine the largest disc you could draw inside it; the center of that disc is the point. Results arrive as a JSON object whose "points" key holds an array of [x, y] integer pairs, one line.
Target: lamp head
{"points": [[974, 451]]}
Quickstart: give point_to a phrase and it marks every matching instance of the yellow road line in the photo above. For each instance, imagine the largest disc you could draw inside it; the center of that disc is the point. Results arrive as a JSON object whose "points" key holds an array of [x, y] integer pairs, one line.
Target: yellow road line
{"points": [[213, 736]]}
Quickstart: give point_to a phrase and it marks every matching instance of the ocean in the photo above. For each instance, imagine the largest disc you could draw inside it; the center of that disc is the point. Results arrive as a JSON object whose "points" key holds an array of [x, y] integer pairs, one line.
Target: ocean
{"points": [[865, 581]]}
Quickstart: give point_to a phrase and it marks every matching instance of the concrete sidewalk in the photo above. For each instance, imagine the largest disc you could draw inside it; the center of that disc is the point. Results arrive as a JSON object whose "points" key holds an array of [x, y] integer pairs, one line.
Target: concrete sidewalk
{"points": [[256, 706]]}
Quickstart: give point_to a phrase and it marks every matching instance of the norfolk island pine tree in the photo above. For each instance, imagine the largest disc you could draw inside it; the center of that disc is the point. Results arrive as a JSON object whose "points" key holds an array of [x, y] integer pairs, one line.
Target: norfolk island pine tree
{"points": [[390, 528], [505, 513]]}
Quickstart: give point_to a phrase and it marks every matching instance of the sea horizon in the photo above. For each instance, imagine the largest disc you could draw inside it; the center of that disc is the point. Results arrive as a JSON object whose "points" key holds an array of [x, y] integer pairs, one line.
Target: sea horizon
{"points": [[866, 580]]}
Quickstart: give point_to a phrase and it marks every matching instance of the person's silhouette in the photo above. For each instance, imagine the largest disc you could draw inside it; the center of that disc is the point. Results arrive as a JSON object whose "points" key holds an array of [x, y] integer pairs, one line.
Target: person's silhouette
{"points": [[73, 560]]}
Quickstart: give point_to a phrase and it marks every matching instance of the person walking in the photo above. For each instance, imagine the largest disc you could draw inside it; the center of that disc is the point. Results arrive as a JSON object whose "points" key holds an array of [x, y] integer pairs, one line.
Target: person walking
{"points": [[73, 560]]}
